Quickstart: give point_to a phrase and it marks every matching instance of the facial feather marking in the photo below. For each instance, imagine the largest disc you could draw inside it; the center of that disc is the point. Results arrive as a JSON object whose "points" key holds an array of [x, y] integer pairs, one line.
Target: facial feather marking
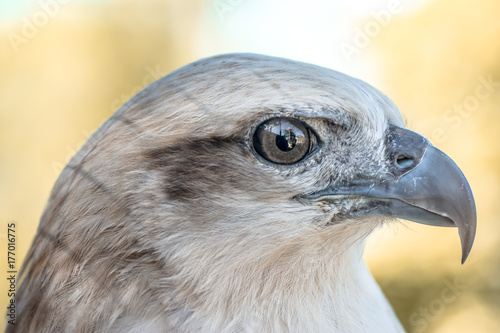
{"points": [[193, 169], [218, 166], [177, 156]]}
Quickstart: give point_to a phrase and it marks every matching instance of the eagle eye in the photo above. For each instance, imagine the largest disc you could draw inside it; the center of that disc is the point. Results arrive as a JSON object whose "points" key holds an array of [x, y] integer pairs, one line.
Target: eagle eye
{"points": [[283, 140]]}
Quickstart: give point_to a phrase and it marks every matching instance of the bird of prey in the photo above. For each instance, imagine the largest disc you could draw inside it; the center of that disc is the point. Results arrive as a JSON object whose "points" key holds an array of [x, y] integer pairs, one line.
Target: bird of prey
{"points": [[235, 195]]}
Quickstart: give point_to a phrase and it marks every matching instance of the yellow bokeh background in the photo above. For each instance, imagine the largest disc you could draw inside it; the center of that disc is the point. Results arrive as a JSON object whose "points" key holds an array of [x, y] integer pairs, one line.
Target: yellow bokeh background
{"points": [[60, 80]]}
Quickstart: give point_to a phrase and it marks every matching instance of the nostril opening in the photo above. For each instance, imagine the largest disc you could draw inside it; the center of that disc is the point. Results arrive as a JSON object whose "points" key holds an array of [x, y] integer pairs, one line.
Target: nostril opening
{"points": [[404, 161]]}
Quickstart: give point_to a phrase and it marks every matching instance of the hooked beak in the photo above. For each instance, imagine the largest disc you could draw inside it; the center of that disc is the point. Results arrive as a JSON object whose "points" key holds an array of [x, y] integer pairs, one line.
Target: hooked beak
{"points": [[422, 185]]}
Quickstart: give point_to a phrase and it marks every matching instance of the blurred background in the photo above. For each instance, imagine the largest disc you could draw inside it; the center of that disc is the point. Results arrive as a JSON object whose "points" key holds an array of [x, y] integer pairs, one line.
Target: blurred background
{"points": [[66, 66]]}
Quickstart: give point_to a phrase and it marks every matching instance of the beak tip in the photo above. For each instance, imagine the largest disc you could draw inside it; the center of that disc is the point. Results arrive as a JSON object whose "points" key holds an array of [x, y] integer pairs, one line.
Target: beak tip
{"points": [[464, 257], [467, 240]]}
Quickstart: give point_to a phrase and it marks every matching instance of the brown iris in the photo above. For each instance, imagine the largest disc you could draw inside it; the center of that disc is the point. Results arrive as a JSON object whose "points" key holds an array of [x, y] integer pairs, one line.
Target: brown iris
{"points": [[283, 140]]}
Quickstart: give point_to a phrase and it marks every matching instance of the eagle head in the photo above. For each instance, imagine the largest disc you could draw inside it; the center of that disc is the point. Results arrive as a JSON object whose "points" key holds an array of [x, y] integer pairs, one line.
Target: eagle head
{"points": [[235, 194]]}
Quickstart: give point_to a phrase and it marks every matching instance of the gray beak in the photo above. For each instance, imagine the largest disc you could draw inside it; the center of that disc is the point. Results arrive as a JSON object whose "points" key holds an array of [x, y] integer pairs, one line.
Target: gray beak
{"points": [[422, 185]]}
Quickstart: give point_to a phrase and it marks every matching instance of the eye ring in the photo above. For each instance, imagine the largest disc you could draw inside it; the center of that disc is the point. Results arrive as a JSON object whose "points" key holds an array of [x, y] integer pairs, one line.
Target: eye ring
{"points": [[283, 140]]}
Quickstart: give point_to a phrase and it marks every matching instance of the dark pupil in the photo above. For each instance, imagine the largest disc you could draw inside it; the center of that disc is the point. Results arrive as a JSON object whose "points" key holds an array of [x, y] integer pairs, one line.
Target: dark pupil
{"points": [[286, 140]]}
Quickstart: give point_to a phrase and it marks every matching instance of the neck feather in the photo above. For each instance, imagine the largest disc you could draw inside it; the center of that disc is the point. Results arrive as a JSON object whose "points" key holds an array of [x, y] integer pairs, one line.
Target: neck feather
{"points": [[313, 282]]}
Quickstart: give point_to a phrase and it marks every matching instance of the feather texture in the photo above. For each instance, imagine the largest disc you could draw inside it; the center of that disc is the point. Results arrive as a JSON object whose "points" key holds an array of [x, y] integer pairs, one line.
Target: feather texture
{"points": [[165, 220]]}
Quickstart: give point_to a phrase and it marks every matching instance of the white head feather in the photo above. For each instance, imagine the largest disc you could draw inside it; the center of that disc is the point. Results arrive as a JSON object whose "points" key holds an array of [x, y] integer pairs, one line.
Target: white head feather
{"points": [[166, 221]]}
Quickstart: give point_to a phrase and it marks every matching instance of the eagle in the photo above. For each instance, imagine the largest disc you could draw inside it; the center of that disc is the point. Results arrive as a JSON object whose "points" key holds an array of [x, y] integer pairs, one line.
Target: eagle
{"points": [[235, 194]]}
